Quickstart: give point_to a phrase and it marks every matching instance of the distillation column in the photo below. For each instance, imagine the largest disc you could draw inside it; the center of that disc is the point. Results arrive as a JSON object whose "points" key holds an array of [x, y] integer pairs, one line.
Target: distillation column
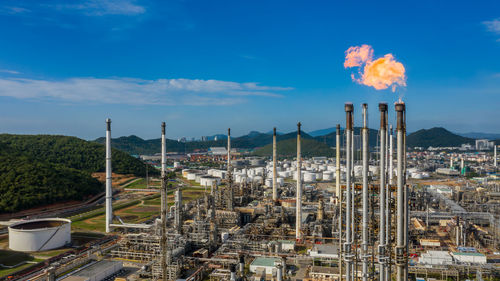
{"points": [[298, 204], [109, 191], [365, 253], [401, 262], [347, 245]]}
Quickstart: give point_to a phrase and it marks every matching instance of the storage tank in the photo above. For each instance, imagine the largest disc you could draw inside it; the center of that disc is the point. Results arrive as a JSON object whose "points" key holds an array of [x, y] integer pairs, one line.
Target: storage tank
{"points": [[327, 175], [309, 177], [39, 234]]}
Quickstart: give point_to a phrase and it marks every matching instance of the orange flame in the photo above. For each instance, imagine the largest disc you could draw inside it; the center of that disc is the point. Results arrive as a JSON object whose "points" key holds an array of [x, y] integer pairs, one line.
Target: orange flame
{"points": [[380, 74]]}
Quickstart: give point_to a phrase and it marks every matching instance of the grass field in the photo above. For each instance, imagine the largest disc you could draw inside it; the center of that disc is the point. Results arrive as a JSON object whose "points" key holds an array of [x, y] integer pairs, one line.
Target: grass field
{"points": [[141, 183], [136, 211]]}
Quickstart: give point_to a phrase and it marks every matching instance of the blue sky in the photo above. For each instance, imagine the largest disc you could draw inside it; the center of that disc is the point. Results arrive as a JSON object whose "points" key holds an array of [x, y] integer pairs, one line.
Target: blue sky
{"points": [[204, 66]]}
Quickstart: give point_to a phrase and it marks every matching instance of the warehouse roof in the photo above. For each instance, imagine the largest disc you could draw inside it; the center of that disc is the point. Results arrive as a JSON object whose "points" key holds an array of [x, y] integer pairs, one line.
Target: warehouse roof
{"points": [[264, 261]]}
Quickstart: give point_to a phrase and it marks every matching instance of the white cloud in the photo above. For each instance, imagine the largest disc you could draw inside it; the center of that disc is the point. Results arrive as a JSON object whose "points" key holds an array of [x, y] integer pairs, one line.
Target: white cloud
{"points": [[136, 91], [105, 7], [493, 26], [9, 71]]}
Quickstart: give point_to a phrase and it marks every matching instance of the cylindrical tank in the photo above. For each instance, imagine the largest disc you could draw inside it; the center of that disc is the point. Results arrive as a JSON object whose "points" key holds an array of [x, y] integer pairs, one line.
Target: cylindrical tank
{"points": [[39, 234]]}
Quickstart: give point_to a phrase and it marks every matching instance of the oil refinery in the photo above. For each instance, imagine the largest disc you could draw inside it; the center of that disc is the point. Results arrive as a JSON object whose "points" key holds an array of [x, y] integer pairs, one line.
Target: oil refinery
{"points": [[369, 213]]}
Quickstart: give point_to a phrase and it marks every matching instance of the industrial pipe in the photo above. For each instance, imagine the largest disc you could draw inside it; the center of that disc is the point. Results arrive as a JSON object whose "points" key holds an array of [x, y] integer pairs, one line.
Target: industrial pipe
{"points": [[109, 191], [298, 219]]}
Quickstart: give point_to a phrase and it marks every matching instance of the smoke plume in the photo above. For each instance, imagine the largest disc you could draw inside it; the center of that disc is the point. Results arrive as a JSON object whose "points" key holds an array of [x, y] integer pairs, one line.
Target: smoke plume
{"points": [[380, 73]]}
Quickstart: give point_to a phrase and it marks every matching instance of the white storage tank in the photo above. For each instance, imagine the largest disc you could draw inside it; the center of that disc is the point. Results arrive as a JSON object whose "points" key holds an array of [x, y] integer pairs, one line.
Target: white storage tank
{"points": [[327, 175], [191, 176], [209, 181], [39, 234], [309, 177]]}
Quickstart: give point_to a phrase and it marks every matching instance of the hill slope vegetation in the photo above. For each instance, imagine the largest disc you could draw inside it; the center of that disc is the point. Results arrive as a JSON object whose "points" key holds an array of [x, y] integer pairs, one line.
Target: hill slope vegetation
{"points": [[436, 137], [42, 169]]}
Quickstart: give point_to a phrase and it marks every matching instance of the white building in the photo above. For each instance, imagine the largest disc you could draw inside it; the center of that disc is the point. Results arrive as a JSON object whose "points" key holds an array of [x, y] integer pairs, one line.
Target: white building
{"points": [[475, 258], [436, 258], [484, 144], [266, 264]]}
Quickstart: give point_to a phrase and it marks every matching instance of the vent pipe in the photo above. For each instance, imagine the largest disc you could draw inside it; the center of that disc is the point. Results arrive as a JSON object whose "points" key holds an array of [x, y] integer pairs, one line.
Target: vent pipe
{"points": [[382, 196]]}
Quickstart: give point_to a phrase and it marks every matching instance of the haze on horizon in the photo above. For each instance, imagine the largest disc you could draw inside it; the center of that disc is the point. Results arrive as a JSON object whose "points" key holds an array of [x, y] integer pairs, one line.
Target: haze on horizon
{"points": [[205, 66]]}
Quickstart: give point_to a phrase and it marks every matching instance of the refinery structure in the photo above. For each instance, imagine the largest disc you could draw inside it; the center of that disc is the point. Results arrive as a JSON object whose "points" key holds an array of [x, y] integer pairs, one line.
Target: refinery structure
{"points": [[373, 213]]}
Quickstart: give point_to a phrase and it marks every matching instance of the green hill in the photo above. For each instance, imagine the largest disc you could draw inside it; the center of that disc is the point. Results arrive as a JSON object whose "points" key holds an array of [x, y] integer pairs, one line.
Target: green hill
{"points": [[437, 137], [42, 169], [288, 148], [73, 153], [27, 182]]}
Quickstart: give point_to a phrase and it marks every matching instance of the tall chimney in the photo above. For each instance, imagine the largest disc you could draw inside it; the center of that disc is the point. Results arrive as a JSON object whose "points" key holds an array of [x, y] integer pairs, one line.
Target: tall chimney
{"points": [[388, 207], [164, 203], [109, 191], [298, 220], [401, 262], [495, 155], [163, 228], [338, 191], [163, 150], [391, 157], [275, 160], [382, 196], [347, 245], [365, 254], [230, 202]]}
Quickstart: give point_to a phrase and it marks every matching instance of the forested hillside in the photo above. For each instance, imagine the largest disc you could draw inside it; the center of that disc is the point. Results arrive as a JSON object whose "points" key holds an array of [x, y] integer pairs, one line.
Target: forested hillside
{"points": [[42, 169]]}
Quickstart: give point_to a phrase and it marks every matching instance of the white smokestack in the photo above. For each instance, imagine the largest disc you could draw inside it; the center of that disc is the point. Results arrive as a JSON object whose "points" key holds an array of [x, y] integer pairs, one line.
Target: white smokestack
{"points": [[338, 191], [109, 191], [495, 156], [401, 198], [382, 196], [275, 160], [347, 245], [365, 152], [298, 221], [163, 150]]}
